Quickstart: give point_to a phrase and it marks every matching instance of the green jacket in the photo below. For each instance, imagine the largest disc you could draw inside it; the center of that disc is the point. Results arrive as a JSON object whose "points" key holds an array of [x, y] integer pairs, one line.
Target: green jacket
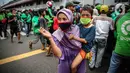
{"points": [[9, 14], [114, 15], [18, 15], [50, 12], [35, 24], [2, 16], [28, 18], [123, 35], [49, 20], [23, 17]]}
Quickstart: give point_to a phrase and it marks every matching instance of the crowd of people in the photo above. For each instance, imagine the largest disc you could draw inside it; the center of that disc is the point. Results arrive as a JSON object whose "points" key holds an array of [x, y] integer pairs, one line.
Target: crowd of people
{"points": [[75, 33]]}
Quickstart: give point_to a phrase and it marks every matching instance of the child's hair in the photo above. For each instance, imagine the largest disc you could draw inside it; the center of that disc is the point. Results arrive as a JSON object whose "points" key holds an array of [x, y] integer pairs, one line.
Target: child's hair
{"points": [[41, 11], [88, 8]]}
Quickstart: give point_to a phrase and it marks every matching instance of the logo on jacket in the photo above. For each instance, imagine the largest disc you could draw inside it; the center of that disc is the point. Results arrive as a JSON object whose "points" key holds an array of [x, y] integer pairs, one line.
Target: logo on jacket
{"points": [[125, 28]]}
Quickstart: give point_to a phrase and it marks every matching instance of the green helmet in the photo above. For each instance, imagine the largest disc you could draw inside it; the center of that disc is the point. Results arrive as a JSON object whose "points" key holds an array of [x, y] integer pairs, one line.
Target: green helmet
{"points": [[98, 7]]}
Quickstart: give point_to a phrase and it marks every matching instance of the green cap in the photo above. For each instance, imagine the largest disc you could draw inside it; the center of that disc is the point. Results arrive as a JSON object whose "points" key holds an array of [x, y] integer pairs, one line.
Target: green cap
{"points": [[69, 4]]}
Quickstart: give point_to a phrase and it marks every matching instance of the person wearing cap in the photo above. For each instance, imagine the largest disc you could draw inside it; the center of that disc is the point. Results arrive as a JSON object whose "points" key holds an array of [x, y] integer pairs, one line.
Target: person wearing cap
{"points": [[50, 15], [70, 6], [77, 14], [98, 7], [50, 10], [103, 24], [119, 9], [63, 48], [36, 27]]}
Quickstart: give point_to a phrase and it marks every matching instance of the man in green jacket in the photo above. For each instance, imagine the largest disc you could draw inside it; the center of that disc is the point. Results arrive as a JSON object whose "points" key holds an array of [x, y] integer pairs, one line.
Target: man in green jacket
{"points": [[121, 54], [28, 22], [1, 25], [36, 27], [1, 18], [24, 20], [119, 9]]}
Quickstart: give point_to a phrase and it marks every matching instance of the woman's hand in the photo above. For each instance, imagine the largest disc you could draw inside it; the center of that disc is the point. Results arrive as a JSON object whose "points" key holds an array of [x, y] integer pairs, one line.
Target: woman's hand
{"points": [[56, 50], [45, 33]]}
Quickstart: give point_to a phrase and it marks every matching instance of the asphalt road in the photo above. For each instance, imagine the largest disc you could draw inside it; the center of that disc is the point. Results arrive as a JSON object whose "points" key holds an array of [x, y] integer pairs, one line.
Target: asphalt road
{"points": [[38, 63]]}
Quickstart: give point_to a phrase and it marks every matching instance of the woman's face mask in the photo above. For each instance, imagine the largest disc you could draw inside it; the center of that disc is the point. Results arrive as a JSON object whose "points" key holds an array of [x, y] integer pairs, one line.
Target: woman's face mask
{"points": [[63, 22], [64, 26], [85, 21]]}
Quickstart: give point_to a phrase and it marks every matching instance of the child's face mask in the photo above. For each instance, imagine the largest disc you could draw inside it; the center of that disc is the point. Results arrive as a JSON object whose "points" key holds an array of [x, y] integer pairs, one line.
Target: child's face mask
{"points": [[85, 21]]}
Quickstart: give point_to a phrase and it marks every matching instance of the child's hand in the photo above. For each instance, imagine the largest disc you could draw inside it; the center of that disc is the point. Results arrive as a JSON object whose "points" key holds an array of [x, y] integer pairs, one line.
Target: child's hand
{"points": [[71, 36], [89, 55]]}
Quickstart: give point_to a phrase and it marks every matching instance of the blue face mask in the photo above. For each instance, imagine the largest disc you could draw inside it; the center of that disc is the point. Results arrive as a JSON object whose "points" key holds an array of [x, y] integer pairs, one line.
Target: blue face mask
{"points": [[64, 26]]}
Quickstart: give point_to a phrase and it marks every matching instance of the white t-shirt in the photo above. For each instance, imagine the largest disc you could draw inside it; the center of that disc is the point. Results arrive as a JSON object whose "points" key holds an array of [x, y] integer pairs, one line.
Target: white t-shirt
{"points": [[103, 25]]}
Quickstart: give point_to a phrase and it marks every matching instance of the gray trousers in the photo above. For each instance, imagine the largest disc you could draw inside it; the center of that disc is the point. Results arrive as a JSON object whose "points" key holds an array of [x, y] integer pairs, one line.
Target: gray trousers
{"points": [[41, 38], [97, 52]]}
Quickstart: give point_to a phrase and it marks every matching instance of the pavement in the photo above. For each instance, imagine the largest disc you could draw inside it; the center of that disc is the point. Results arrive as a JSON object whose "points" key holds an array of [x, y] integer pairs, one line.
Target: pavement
{"points": [[18, 58]]}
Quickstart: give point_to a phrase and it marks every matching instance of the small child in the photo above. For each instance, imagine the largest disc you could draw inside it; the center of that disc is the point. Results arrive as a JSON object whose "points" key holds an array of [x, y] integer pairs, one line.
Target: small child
{"points": [[43, 24], [87, 35]]}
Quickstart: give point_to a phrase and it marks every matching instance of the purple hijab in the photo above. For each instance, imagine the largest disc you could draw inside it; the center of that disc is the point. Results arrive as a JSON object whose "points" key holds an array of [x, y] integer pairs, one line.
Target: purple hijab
{"points": [[69, 48], [72, 30]]}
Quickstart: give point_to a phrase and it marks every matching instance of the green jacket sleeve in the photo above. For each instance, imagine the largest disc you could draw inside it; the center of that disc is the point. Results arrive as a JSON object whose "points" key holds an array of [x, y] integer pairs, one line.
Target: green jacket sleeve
{"points": [[49, 20], [29, 18], [36, 25], [50, 12], [23, 16]]}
